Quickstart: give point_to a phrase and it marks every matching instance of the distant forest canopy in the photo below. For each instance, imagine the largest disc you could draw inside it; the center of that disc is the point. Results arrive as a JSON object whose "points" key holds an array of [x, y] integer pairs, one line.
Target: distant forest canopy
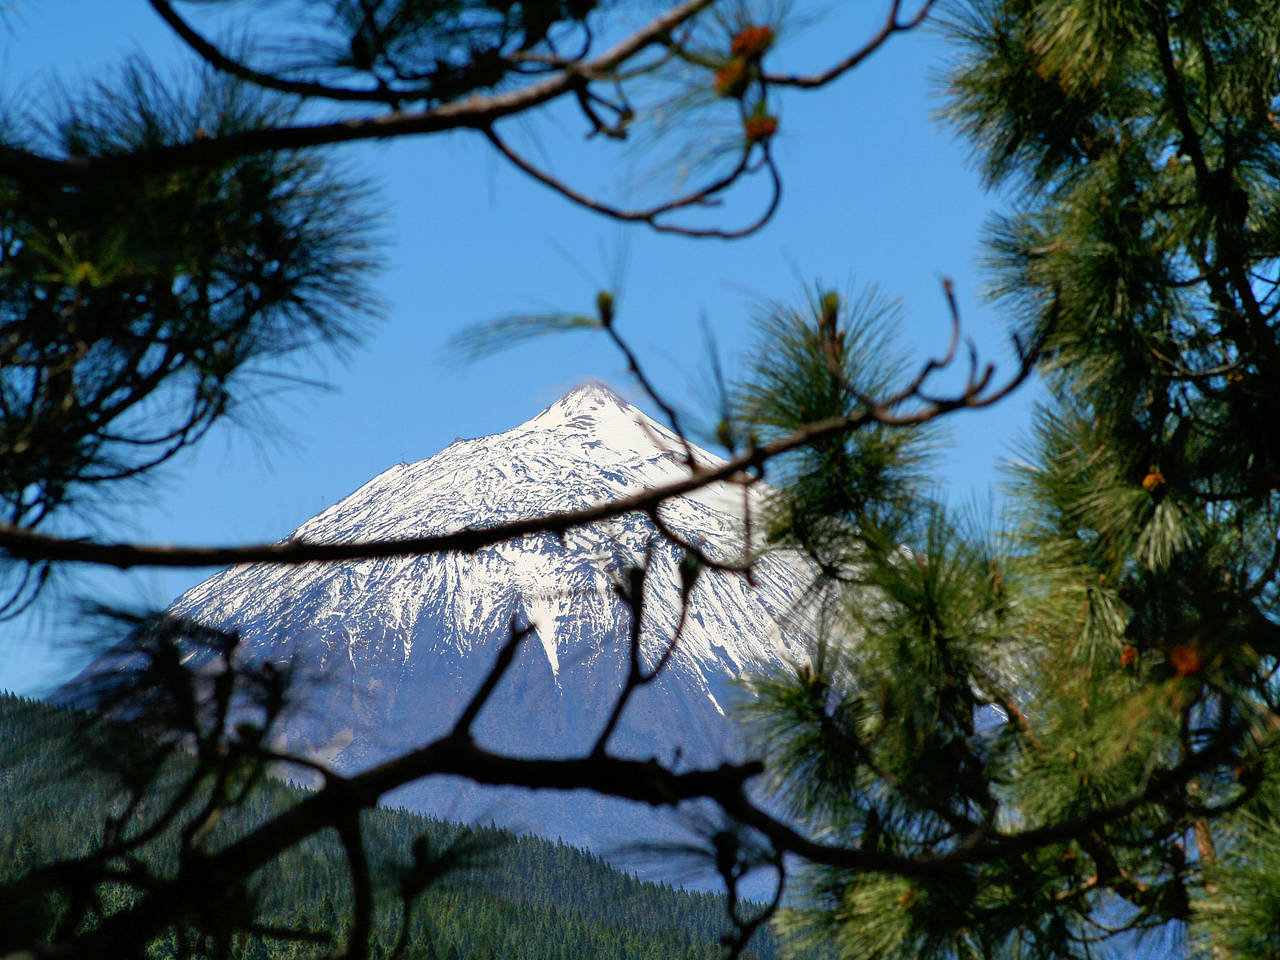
{"points": [[549, 901]]}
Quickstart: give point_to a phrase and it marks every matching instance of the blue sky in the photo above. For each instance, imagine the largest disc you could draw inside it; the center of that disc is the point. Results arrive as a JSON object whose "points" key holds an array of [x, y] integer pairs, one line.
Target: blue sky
{"points": [[876, 192]]}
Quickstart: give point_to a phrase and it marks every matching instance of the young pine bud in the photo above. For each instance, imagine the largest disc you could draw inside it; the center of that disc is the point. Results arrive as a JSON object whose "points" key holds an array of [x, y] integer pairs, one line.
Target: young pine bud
{"points": [[732, 79], [724, 434], [760, 126], [604, 307], [829, 306], [752, 42]]}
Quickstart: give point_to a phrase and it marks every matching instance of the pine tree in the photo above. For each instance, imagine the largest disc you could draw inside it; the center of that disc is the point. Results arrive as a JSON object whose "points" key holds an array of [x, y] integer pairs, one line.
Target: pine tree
{"points": [[1045, 733]]}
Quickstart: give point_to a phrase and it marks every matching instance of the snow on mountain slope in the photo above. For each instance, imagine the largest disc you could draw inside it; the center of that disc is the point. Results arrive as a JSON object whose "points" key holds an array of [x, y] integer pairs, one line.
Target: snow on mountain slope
{"points": [[397, 646]]}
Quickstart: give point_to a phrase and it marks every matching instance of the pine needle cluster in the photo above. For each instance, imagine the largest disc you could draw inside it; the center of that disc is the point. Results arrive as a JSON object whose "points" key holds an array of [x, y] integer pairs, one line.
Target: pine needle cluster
{"points": [[136, 311], [1056, 738]]}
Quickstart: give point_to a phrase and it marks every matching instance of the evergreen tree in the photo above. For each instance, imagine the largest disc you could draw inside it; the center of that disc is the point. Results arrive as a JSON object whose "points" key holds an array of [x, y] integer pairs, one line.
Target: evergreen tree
{"points": [[523, 910], [1044, 733]]}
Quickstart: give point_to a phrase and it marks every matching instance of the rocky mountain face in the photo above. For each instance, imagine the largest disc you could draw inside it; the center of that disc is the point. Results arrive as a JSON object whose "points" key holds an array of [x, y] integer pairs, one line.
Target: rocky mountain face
{"points": [[394, 648]]}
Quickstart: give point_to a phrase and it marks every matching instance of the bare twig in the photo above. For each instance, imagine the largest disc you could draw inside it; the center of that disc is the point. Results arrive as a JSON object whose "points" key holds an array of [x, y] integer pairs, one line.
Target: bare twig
{"points": [[748, 925], [688, 546], [361, 886], [637, 675], [303, 88], [501, 663], [703, 196], [891, 26]]}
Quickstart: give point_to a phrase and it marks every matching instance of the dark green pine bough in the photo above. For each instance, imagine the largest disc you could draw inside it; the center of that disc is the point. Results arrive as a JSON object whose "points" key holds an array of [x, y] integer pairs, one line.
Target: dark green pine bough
{"points": [[1071, 714]]}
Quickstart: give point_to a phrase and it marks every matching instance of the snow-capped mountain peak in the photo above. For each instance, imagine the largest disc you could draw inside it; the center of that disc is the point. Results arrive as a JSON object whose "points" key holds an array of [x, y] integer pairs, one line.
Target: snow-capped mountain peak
{"points": [[594, 414], [588, 447], [401, 643]]}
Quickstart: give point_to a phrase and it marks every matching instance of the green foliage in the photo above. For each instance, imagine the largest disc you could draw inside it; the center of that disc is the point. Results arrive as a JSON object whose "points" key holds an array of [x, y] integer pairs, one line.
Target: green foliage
{"points": [[548, 901], [1065, 731], [134, 310], [816, 365]]}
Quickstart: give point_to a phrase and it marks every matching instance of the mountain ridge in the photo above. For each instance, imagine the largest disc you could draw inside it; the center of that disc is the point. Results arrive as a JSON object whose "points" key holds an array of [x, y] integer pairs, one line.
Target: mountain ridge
{"points": [[399, 644]]}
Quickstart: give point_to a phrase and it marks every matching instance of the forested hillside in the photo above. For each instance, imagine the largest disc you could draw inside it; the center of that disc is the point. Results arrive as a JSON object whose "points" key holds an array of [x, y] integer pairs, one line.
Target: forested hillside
{"points": [[523, 897]]}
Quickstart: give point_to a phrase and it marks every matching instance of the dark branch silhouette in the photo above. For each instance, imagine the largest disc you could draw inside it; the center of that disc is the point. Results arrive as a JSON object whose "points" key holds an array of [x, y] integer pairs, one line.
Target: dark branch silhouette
{"points": [[891, 26], [976, 394]]}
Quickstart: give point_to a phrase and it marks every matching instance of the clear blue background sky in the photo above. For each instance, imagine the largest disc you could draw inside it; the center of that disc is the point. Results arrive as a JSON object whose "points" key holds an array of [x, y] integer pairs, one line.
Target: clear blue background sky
{"points": [[877, 192]]}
